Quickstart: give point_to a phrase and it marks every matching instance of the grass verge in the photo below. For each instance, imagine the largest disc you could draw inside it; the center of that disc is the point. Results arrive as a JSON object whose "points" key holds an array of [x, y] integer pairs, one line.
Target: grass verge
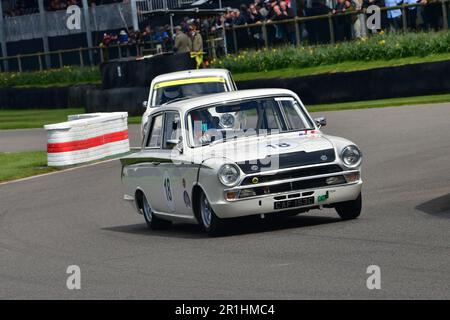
{"points": [[381, 47], [17, 165], [382, 103], [67, 75], [35, 118], [347, 66]]}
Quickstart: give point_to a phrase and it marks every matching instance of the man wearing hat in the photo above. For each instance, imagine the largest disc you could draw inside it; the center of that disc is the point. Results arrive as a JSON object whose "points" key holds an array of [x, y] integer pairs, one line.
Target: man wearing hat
{"points": [[183, 43]]}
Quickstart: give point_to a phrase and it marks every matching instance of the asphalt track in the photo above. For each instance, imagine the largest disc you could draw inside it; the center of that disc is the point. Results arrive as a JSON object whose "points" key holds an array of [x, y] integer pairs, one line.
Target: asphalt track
{"points": [[78, 217]]}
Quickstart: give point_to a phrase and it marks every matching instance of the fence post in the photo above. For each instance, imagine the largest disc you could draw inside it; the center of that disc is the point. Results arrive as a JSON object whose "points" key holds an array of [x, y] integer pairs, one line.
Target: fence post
{"points": [[224, 35], [297, 32], [3, 40], [134, 15], [60, 57], [39, 56], [265, 37], [235, 40], [19, 63], [43, 22], [80, 52], [331, 28], [444, 15], [87, 23], [404, 21]]}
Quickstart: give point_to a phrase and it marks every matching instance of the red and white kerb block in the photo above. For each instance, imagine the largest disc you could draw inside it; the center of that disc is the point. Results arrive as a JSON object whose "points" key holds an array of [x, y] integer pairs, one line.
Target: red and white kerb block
{"points": [[87, 137]]}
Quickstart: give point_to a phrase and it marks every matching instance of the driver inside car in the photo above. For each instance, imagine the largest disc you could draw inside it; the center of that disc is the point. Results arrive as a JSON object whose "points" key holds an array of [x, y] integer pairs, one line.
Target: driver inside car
{"points": [[202, 123], [171, 93]]}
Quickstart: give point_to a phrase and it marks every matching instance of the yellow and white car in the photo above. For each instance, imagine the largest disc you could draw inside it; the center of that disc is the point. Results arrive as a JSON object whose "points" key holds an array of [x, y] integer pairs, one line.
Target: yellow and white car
{"points": [[182, 85]]}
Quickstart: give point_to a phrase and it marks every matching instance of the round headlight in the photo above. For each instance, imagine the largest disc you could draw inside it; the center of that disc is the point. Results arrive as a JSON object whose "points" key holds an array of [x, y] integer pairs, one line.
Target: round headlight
{"points": [[229, 175], [351, 156]]}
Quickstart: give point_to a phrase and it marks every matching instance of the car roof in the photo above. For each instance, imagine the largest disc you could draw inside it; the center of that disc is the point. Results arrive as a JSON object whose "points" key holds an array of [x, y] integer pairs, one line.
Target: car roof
{"points": [[191, 73], [185, 105]]}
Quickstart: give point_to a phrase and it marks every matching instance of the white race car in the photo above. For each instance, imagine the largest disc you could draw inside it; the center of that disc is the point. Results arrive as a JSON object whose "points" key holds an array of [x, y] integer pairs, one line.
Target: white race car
{"points": [[183, 85], [242, 153]]}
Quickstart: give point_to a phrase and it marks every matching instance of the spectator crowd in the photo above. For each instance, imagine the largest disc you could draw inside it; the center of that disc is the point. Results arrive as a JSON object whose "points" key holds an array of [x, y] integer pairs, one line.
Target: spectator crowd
{"points": [[255, 12]]}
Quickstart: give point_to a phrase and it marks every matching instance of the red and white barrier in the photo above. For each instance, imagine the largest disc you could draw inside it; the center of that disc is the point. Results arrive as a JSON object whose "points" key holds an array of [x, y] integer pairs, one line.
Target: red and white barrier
{"points": [[87, 137]]}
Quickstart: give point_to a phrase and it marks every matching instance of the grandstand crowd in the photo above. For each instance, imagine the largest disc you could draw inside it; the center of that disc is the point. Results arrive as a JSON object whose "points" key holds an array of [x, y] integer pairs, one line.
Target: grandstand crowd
{"points": [[253, 12]]}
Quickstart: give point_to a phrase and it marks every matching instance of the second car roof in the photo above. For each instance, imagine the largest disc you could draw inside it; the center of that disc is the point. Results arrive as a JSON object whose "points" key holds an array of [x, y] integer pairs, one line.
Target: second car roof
{"points": [[191, 73]]}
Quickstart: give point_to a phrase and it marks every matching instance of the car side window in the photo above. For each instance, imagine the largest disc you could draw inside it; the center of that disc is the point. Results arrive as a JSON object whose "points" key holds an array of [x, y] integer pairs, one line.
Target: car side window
{"points": [[155, 135], [172, 129]]}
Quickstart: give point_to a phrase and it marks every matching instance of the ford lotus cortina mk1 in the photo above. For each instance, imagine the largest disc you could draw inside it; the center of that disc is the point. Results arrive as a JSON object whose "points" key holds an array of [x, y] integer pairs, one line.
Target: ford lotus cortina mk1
{"points": [[242, 153]]}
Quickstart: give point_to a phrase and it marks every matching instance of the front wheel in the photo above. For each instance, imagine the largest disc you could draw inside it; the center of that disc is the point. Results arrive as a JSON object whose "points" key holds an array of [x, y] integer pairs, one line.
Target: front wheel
{"points": [[153, 222], [212, 224], [349, 209]]}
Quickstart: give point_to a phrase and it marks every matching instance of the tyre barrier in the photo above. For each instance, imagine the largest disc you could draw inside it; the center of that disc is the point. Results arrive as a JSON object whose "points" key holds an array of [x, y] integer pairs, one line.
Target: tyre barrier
{"points": [[124, 73], [87, 137]]}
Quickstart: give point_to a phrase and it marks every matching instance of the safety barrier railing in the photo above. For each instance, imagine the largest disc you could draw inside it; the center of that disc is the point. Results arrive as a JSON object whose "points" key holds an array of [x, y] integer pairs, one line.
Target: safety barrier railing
{"points": [[79, 56]]}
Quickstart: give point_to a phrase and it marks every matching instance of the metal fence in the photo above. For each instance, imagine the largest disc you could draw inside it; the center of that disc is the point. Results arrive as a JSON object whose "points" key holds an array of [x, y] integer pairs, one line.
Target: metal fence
{"points": [[77, 57]]}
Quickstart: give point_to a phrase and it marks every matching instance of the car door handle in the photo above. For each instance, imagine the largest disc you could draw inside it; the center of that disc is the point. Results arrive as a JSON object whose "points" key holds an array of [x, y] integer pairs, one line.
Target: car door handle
{"points": [[156, 163]]}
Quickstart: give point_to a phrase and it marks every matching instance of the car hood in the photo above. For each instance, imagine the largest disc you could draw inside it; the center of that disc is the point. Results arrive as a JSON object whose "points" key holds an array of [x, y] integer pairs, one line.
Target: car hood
{"points": [[274, 152]]}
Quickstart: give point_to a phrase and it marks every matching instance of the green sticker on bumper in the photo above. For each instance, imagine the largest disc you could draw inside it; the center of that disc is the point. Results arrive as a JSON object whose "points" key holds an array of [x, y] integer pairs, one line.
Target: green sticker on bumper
{"points": [[322, 197]]}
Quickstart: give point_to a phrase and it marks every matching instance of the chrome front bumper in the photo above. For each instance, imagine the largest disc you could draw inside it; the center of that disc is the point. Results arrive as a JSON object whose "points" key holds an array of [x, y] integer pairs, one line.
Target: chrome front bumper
{"points": [[265, 204]]}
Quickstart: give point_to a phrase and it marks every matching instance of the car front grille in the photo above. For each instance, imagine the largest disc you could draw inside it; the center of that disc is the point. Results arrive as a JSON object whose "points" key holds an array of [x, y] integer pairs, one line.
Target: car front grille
{"points": [[288, 160], [291, 174]]}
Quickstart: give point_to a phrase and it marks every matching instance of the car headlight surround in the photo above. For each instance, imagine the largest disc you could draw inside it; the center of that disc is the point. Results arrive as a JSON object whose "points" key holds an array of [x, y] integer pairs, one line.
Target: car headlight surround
{"points": [[229, 174], [351, 156]]}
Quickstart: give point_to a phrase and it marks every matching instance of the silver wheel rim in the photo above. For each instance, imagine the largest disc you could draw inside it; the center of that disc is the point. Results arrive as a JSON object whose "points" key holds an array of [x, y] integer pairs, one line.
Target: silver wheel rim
{"points": [[147, 210], [205, 211]]}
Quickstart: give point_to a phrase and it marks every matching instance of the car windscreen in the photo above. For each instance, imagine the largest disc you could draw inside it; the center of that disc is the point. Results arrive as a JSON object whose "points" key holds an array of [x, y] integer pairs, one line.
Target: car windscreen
{"points": [[246, 118], [168, 93]]}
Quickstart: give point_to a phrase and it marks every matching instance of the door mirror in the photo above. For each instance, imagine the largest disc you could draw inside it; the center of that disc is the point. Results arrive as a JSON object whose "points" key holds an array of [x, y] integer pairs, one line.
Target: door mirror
{"points": [[172, 143], [321, 121], [175, 143], [144, 104]]}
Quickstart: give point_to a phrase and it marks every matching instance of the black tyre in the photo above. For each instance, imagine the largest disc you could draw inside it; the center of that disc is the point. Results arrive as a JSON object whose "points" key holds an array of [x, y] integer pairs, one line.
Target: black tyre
{"points": [[212, 224], [153, 222], [350, 209]]}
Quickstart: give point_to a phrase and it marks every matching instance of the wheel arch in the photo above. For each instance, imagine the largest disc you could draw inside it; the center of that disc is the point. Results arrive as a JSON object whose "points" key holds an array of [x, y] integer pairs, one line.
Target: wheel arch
{"points": [[139, 200], [196, 192]]}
